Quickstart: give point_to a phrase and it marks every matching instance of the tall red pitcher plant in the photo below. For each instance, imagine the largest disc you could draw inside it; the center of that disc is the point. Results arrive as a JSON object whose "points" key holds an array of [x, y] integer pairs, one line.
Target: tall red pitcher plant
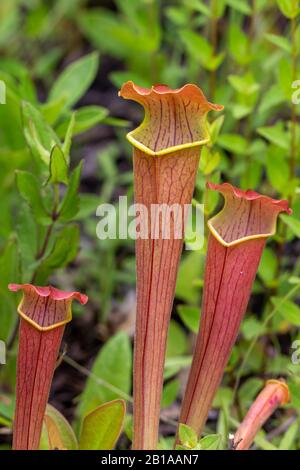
{"points": [[236, 241], [44, 312], [166, 156]]}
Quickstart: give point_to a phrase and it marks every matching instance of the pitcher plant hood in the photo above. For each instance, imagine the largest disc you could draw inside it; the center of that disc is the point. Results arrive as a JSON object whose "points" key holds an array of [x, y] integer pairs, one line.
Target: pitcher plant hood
{"points": [[246, 215], [174, 119], [235, 245], [46, 307]]}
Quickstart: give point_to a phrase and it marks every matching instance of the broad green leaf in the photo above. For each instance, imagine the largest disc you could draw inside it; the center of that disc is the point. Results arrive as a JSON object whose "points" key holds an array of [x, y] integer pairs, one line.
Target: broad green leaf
{"points": [[75, 80], [70, 203], [233, 143], [187, 436], [240, 5], [277, 167], [209, 161], [249, 390], [57, 432], [293, 223], [174, 364], [189, 270], [243, 84], [101, 427], [86, 117], [58, 166], [170, 393], [276, 135], [289, 8], [9, 272], [251, 327], [288, 310], [279, 41], [211, 442], [267, 269], [190, 316], [39, 135], [29, 189], [112, 366], [64, 250], [117, 37], [273, 97], [239, 44], [177, 340]]}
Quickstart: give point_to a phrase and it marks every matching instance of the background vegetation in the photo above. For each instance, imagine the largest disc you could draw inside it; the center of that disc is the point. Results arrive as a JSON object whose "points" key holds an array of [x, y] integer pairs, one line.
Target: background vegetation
{"points": [[63, 152]]}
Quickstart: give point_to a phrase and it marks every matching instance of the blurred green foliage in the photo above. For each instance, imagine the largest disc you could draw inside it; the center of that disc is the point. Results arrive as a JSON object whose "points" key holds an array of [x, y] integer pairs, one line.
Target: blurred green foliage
{"points": [[54, 55]]}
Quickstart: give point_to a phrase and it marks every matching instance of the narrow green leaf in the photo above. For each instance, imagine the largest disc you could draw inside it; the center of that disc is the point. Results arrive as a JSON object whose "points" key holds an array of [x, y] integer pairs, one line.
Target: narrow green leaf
{"points": [[75, 80], [29, 189], [58, 166], [70, 203]]}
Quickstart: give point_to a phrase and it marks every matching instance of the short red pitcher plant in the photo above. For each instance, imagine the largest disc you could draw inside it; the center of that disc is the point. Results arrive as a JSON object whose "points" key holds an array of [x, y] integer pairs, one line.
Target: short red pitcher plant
{"points": [[44, 312]]}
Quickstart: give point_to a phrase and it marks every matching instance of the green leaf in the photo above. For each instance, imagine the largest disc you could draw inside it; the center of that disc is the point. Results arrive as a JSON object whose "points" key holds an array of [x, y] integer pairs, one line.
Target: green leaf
{"points": [[234, 143], [289, 439], [174, 364], [9, 272], [187, 436], [273, 97], [293, 223], [65, 249], [288, 310], [75, 80], [209, 161], [86, 117], [276, 135], [190, 317], [68, 138], [243, 84], [177, 340], [101, 428], [189, 270], [277, 168], [39, 135], [58, 434], [58, 166], [113, 366], [240, 5], [29, 189], [200, 49], [211, 442], [251, 327], [279, 41], [70, 203], [267, 269], [170, 393], [289, 8]]}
